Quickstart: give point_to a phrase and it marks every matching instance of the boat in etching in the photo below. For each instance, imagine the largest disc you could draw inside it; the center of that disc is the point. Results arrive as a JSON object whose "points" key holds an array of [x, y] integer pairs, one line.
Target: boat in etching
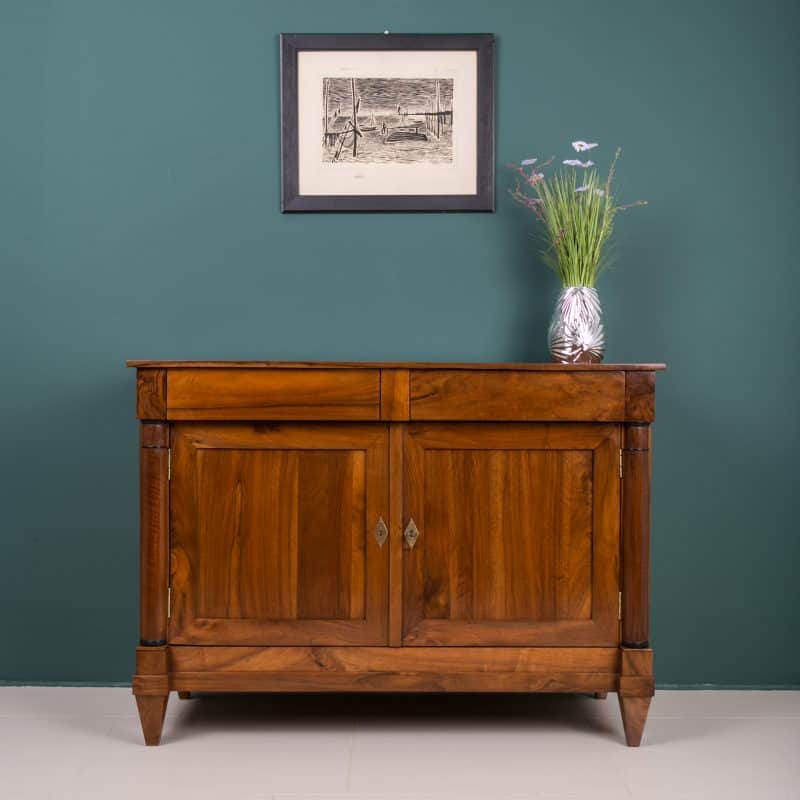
{"points": [[372, 124], [405, 135]]}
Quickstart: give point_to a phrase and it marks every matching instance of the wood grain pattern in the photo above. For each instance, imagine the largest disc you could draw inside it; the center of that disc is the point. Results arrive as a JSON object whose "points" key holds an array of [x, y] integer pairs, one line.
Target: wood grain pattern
{"points": [[152, 710], [272, 534], [151, 676], [153, 536], [250, 630], [154, 434], [636, 436], [636, 686], [518, 544], [640, 396], [507, 436], [634, 716], [636, 672], [600, 632], [635, 690], [636, 539], [436, 669], [152, 660], [151, 393], [397, 434], [187, 658], [517, 395], [394, 394], [273, 394], [150, 685], [521, 549], [392, 682]]}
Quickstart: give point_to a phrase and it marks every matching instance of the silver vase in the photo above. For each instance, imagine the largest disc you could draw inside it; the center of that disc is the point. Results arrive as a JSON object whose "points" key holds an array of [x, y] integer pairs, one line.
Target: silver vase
{"points": [[576, 333]]}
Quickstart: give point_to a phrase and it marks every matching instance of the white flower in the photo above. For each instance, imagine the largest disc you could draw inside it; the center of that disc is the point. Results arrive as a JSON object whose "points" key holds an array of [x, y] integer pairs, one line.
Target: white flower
{"points": [[600, 192], [583, 188], [580, 146], [574, 162], [528, 161]]}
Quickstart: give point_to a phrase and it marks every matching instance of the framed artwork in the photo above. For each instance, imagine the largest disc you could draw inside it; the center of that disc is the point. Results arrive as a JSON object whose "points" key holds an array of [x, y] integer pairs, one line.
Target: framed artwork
{"points": [[392, 122]]}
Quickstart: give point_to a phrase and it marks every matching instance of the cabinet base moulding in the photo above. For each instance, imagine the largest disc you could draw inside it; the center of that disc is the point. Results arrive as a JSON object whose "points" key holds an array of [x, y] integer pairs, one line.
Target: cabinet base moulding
{"points": [[188, 669], [452, 682]]}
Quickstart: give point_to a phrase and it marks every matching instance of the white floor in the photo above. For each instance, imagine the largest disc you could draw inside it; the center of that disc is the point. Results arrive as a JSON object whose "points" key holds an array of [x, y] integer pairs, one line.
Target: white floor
{"points": [[66, 743]]}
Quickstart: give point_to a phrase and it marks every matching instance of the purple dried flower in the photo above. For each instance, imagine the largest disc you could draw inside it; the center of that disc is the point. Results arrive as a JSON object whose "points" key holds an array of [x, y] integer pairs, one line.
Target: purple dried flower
{"points": [[528, 161]]}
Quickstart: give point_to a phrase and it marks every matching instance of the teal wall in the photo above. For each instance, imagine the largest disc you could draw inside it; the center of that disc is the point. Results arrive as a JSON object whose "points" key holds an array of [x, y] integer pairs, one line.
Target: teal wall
{"points": [[139, 217]]}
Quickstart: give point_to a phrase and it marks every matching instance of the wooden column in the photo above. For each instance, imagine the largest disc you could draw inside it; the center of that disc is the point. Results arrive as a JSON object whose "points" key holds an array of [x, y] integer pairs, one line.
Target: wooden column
{"points": [[151, 681], [636, 536], [154, 533], [636, 683]]}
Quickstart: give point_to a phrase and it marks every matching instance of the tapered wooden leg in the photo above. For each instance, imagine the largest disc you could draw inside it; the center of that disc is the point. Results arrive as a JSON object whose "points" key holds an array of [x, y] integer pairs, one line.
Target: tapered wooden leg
{"points": [[636, 687], [634, 715], [184, 695], [151, 687], [152, 709]]}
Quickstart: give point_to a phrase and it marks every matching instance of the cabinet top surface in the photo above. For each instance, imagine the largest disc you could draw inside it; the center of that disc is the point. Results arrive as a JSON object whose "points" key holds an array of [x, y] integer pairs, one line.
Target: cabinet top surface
{"points": [[532, 367]]}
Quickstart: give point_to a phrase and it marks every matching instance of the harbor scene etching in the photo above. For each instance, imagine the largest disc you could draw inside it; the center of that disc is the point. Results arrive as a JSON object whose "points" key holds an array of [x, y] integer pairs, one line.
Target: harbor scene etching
{"points": [[387, 120]]}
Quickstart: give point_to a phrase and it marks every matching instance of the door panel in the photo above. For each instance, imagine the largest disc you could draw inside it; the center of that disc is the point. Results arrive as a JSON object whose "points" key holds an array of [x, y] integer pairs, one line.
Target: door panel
{"points": [[271, 534], [519, 532]]}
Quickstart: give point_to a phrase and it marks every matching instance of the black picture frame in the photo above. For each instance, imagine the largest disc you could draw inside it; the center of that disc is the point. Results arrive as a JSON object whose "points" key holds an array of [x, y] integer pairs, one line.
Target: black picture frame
{"points": [[484, 198]]}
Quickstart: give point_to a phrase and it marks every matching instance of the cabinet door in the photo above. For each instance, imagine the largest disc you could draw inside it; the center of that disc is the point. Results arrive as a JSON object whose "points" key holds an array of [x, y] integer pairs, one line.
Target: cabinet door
{"points": [[272, 534], [518, 534]]}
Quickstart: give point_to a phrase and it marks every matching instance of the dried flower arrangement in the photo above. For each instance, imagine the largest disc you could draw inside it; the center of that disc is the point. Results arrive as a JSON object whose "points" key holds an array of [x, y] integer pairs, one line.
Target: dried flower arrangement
{"points": [[578, 214], [577, 208]]}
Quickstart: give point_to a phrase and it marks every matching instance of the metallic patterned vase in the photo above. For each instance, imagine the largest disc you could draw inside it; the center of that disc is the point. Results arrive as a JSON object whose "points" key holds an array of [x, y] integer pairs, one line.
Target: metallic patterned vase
{"points": [[576, 333]]}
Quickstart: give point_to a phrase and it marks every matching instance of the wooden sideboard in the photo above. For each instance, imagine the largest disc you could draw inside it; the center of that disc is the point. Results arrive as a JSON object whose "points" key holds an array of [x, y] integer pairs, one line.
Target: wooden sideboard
{"points": [[398, 527]]}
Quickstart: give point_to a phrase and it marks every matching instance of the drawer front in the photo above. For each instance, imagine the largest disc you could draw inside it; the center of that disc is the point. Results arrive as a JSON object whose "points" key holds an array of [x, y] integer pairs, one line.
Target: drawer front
{"points": [[273, 394], [516, 395]]}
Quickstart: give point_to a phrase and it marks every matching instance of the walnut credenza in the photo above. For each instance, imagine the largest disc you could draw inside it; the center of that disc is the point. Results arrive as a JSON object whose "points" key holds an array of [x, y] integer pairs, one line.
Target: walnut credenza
{"points": [[330, 527]]}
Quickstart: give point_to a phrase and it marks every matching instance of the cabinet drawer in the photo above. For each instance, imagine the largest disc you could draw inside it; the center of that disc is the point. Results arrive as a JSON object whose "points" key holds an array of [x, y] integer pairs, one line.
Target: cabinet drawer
{"points": [[273, 394], [517, 395]]}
